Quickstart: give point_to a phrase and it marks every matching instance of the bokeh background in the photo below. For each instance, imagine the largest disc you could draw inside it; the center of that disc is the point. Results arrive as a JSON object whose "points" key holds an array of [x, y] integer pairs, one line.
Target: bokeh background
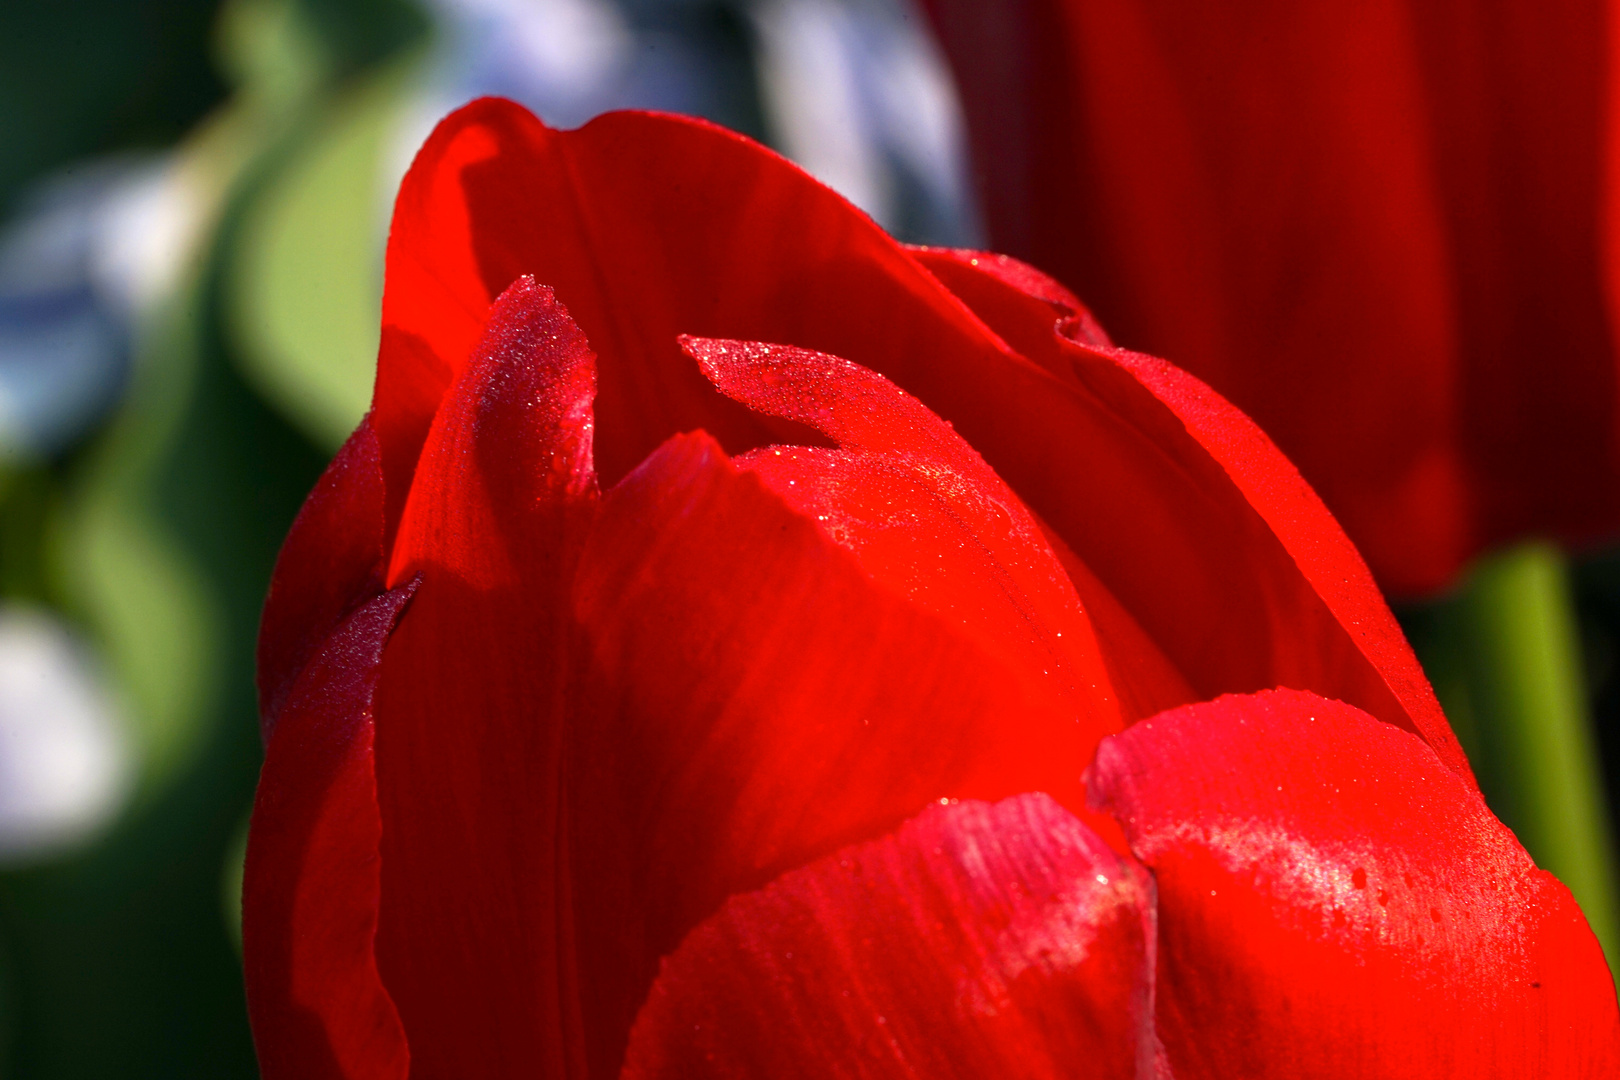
{"points": [[194, 197]]}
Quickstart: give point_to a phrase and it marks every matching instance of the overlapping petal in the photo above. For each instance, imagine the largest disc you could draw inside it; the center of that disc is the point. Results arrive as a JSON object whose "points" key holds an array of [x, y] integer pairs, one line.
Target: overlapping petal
{"points": [[977, 940], [331, 561], [471, 705], [1030, 308], [651, 227], [756, 701], [310, 889], [1333, 901], [923, 513]]}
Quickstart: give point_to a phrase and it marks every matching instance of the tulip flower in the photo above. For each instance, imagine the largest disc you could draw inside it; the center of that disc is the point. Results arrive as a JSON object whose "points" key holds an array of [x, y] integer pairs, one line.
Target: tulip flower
{"points": [[736, 644], [1384, 231], [1379, 229]]}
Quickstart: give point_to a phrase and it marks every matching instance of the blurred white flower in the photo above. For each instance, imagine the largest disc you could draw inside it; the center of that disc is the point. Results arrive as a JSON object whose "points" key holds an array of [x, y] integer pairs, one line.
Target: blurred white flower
{"points": [[66, 764], [564, 59], [857, 92], [87, 254]]}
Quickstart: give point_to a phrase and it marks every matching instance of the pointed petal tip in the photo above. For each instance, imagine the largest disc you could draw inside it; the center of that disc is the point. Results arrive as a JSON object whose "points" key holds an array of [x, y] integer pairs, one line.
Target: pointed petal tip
{"points": [[517, 426], [781, 380], [711, 355]]}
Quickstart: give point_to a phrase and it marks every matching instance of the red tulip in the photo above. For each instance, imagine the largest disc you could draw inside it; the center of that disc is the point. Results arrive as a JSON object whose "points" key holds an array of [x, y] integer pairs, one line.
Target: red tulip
{"points": [[1381, 229], [599, 749]]}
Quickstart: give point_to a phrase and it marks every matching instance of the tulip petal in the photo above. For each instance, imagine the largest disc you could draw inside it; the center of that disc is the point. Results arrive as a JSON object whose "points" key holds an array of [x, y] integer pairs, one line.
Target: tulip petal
{"points": [[761, 702], [1523, 135], [1143, 677], [471, 705], [647, 227], [310, 889], [922, 512], [1213, 186], [1014, 298], [1028, 309], [654, 226], [331, 561], [1333, 902], [1367, 226], [977, 940]]}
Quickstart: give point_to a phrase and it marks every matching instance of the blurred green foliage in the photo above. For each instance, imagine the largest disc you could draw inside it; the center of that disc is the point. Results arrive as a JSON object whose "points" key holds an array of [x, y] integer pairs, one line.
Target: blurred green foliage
{"points": [[1504, 653], [158, 537], [306, 281], [80, 77]]}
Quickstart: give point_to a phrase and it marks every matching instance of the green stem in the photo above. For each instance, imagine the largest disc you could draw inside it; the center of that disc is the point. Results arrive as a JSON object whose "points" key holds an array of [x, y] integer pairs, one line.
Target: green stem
{"points": [[1505, 658]]}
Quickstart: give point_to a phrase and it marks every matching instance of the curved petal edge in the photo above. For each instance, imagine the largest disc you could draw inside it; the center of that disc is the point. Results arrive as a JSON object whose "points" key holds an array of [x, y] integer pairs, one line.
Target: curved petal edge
{"points": [[311, 885], [330, 562], [1333, 901]]}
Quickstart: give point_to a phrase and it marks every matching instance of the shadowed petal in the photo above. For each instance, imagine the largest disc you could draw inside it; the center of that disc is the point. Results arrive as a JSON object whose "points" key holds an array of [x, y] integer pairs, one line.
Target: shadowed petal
{"points": [[1312, 635], [310, 888], [1372, 228], [471, 707], [331, 561]]}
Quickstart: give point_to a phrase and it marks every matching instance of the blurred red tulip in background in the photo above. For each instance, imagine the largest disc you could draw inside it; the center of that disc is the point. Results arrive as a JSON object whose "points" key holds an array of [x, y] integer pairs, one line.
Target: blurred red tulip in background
{"points": [[643, 699], [1383, 230]]}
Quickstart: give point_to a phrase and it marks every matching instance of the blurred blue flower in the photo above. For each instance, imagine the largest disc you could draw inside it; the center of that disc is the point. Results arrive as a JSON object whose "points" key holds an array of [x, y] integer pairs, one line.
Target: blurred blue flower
{"points": [[857, 92], [91, 249], [854, 90]]}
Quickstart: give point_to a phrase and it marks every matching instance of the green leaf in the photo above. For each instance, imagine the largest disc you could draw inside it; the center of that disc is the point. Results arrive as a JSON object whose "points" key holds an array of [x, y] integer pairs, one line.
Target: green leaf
{"points": [[1504, 655], [306, 284]]}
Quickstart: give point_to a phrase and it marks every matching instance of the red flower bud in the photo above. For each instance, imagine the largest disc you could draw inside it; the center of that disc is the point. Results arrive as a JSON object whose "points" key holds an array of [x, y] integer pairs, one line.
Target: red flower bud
{"points": [[692, 665]]}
